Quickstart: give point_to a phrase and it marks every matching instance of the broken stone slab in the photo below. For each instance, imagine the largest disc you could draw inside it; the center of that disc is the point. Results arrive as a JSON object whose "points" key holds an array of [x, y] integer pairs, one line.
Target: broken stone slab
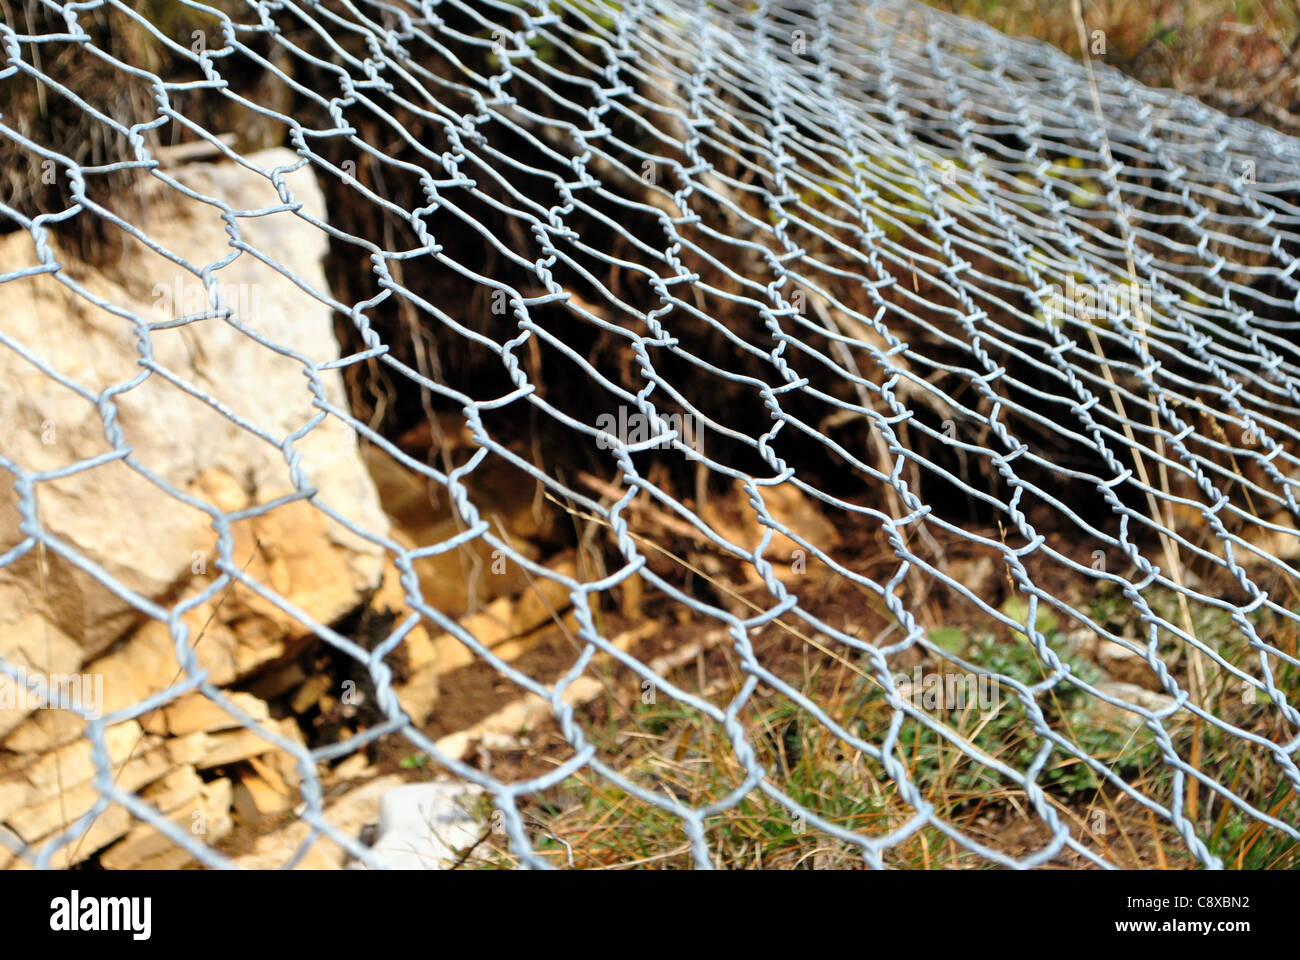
{"points": [[191, 805], [307, 695], [178, 787], [194, 713], [205, 750], [38, 821], [260, 792], [417, 688], [349, 813], [422, 514], [284, 763], [38, 779], [504, 619], [113, 823], [355, 767], [142, 666], [169, 549]]}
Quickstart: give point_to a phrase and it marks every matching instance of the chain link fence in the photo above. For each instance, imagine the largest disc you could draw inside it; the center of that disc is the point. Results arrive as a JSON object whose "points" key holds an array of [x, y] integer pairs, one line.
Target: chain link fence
{"points": [[917, 408]]}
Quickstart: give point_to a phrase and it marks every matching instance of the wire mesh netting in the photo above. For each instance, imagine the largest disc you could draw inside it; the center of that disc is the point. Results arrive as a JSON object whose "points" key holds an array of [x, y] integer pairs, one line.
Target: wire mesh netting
{"points": [[935, 393]]}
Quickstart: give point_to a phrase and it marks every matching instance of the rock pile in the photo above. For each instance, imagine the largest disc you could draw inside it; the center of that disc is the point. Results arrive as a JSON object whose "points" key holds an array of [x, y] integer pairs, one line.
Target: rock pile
{"points": [[191, 422]]}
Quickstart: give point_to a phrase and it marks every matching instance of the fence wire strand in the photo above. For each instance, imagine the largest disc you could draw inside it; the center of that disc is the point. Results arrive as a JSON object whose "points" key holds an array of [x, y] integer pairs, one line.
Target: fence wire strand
{"points": [[868, 209]]}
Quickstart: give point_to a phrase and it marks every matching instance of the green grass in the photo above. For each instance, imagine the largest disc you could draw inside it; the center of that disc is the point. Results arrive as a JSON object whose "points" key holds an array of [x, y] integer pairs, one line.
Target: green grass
{"points": [[674, 752]]}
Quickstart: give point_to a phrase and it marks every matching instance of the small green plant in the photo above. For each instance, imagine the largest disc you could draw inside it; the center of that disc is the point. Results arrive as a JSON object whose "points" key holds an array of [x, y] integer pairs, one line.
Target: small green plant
{"points": [[1248, 844], [1005, 730]]}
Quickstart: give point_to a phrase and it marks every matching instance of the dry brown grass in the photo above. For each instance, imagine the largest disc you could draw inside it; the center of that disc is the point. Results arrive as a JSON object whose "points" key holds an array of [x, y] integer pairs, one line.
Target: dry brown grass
{"points": [[1242, 56]]}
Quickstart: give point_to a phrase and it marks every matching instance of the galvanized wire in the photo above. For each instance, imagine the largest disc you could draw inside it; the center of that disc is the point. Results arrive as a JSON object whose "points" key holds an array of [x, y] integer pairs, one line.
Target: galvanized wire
{"points": [[931, 185]]}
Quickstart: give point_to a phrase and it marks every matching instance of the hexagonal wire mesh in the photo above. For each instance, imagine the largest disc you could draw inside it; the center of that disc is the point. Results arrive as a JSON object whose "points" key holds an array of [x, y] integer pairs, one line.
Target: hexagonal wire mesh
{"points": [[951, 358]]}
